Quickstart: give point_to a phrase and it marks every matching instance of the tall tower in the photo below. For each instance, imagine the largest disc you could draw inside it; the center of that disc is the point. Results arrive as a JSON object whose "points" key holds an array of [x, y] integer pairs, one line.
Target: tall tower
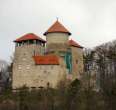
{"points": [[57, 37], [71, 52], [26, 47], [77, 59]]}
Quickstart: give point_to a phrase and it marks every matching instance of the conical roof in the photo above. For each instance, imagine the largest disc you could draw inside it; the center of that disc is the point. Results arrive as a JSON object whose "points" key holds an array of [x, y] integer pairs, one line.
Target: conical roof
{"points": [[29, 36], [57, 27]]}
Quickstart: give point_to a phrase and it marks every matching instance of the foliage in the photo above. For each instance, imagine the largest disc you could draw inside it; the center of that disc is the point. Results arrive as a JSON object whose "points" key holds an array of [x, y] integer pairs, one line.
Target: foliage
{"points": [[72, 97]]}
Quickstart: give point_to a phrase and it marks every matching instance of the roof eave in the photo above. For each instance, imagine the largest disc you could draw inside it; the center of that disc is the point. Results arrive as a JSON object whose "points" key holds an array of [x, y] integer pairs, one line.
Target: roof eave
{"points": [[15, 41], [46, 64], [77, 46], [56, 32]]}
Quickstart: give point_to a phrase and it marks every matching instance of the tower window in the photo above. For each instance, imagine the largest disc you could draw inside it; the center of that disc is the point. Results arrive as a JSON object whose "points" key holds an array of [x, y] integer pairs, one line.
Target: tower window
{"points": [[45, 71], [19, 44], [48, 84], [16, 44], [76, 61], [31, 42]]}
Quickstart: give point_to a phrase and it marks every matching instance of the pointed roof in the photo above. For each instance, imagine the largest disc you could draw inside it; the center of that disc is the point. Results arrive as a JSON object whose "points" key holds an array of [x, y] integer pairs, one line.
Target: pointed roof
{"points": [[29, 36], [57, 27], [46, 60], [74, 44]]}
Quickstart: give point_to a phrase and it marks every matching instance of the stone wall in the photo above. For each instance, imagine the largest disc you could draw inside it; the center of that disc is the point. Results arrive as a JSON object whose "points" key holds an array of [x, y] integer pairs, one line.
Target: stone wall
{"points": [[77, 62], [38, 76], [57, 38], [56, 48], [26, 72]]}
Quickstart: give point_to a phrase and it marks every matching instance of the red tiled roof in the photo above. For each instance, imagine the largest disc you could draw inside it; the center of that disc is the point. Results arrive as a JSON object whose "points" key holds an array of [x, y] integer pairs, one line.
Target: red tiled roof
{"points": [[46, 60], [75, 44], [57, 27], [29, 36]]}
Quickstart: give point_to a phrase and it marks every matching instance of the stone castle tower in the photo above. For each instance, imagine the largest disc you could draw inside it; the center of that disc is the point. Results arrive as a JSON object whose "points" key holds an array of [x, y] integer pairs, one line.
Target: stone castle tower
{"points": [[39, 63]]}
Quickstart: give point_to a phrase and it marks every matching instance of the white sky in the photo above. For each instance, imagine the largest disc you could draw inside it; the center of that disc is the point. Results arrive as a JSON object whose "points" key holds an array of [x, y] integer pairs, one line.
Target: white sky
{"points": [[91, 22]]}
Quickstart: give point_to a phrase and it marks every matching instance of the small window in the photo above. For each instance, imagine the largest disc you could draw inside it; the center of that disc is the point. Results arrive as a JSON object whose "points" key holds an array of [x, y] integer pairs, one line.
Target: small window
{"points": [[48, 84], [31, 42], [41, 87], [76, 61], [16, 45], [48, 73], [45, 71], [33, 87]]}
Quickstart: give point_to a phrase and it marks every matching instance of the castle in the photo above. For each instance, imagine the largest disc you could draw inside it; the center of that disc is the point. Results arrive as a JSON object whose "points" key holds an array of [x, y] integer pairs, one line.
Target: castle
{"points": [[39, 63]]}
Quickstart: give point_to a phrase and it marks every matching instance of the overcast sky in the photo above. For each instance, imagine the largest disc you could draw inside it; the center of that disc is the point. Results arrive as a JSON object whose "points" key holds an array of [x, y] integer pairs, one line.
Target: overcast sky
{"points": [[91, 22]]}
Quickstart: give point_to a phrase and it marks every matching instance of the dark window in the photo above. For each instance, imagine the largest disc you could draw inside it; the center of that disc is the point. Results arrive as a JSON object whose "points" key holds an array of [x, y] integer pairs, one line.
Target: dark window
{"points": [[31, 42], [76, 61], [33, 87], [45, 71], [48, 84]]}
